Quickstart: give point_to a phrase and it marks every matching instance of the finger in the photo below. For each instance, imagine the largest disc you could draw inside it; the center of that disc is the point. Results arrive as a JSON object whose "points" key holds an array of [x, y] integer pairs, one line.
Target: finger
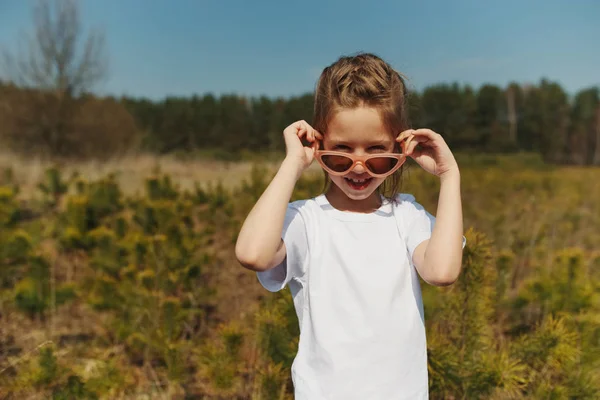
{"points": [[421, 139], [427, 133], [303, 134], [293, 129], [299, 125], [307, 133], [401, 145], [406, 144], [414, 141], [312, 135], [302, 125], [416, 153], [305, 129], [411, 147], [316, 135], [404, 134], [310, 132]]}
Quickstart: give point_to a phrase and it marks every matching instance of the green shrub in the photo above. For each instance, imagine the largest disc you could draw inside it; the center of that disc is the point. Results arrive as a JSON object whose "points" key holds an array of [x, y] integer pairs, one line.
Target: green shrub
{"points": [[80, 215], [30, 298], [9, 208], [105, 197], [18, 247], [147, 279], [105, 293], [72, 239], [74, 388], [54, 186], [32, 293], [160, 187], [48, 366]]}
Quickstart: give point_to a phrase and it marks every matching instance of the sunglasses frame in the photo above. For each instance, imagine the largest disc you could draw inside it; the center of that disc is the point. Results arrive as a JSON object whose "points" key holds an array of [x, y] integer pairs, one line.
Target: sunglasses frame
{"points": [[357, 160]]}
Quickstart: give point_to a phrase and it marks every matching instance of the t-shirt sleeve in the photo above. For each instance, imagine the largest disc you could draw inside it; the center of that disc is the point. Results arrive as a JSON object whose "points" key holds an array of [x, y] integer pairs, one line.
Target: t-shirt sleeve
{"points": [[296, 244], [419, 224]]}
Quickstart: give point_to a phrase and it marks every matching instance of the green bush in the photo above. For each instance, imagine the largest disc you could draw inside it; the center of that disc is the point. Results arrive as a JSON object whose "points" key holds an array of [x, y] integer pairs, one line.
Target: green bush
{"points": [[54, 187], [9, 207], [30, 297], [32, 293], [18, 247]]}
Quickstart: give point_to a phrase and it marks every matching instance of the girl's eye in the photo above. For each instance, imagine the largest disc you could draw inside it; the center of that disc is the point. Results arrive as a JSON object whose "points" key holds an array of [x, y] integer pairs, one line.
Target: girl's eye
{"points": [[341, 147], [372, 149]]}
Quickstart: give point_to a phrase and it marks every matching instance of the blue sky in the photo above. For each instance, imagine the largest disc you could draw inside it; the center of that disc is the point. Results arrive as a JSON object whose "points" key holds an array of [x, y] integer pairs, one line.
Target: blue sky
{"points": [[276, 48]]}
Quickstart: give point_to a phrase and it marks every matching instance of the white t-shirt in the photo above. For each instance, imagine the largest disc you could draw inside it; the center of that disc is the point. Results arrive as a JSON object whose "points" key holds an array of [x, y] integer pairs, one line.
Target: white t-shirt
{"points": [[358, 299]]}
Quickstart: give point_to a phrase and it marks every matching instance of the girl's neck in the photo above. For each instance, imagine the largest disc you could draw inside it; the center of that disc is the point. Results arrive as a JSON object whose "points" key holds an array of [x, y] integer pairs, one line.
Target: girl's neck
{"points": [[340, 201]]}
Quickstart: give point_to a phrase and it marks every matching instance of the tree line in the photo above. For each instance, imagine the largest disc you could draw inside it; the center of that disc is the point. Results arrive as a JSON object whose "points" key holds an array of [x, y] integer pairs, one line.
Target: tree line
{"points": [[539, 118], [534, 118]]}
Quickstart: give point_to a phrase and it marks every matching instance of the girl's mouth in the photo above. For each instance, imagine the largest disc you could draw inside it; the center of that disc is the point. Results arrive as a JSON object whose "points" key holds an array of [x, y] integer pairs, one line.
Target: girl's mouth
{"points": [[358, 184]]}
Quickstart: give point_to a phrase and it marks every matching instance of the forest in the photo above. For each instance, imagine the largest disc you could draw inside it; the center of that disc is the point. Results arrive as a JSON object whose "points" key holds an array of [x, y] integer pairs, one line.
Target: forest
{"points": [[541, 119]]}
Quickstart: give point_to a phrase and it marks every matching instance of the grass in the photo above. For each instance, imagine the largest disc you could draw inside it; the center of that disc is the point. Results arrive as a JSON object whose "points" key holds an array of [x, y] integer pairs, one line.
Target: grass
{"points": [[203, 168], [530, 210], [132, 170]]}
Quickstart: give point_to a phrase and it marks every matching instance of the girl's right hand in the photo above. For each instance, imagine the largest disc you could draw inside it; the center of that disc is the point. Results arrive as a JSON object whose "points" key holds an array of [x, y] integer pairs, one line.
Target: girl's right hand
{"points": [[296, 152]]}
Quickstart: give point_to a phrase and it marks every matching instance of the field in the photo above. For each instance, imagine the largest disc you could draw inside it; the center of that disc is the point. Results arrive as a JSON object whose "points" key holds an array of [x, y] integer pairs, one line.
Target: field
{"points": [[119, 281]]}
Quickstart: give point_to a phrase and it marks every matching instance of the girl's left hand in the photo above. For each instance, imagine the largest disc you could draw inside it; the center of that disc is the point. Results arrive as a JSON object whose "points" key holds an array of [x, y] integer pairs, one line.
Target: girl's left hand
{"points": [[433, 155]]}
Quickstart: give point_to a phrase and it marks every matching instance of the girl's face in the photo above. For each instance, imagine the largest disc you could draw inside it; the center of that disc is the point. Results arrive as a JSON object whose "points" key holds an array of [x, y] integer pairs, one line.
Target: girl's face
{"points": [[359, 131]]}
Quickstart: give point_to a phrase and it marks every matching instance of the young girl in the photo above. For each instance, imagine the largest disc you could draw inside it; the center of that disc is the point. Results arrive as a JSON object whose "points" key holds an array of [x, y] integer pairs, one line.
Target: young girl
{"points": [[352, 257]]}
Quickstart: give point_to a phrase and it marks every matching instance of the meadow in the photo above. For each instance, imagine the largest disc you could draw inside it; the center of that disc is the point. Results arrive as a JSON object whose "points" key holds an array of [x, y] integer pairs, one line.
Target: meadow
{"points": [[118, 281]]}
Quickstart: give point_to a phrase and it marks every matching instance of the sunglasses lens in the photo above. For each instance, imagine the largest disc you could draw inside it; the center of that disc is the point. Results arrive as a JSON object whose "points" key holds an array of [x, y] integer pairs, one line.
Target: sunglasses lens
{"points": [[381, 165], [337, 163]]}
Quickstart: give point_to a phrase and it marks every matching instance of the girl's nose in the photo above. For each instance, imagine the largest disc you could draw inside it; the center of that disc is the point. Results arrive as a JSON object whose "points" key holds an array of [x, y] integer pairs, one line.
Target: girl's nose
{"points": [[359, 168]]}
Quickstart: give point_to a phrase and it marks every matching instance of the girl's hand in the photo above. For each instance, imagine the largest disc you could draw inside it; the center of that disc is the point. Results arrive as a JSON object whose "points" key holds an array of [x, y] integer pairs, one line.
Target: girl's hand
{"points": [[433, 154], [296, 152]]}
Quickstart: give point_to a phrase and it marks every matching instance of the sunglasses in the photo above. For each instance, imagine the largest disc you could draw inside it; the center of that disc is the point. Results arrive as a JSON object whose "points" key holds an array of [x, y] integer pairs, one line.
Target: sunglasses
{"points": [[377, 165]]}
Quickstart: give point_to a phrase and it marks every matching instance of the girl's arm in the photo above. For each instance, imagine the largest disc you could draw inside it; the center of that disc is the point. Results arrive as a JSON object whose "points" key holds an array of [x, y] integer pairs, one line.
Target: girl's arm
{"points": [[438, 259], [259, 245]]}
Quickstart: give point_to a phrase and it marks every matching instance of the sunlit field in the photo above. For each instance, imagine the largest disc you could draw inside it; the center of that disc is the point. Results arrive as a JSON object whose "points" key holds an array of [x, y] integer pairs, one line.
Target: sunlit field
{"points": [[119, 281], [131, 171]]}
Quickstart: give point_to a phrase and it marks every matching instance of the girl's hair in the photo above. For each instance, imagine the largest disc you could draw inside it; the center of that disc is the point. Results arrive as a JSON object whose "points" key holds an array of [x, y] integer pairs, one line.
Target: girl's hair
{"points": [[363, 80]]}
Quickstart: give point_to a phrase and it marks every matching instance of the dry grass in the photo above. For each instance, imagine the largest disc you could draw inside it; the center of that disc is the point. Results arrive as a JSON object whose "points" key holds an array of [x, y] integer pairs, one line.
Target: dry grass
{"points": [[132, 170]]}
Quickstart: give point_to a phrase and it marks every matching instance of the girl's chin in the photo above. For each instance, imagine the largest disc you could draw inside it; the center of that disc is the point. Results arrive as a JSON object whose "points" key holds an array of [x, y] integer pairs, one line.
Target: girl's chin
{"points": [[359, 196]]}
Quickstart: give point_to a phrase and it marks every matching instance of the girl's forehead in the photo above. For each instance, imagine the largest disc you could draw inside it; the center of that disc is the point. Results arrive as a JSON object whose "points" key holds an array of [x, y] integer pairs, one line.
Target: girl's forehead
{"points": [[358, 125], [359, 139], [359, 136]]}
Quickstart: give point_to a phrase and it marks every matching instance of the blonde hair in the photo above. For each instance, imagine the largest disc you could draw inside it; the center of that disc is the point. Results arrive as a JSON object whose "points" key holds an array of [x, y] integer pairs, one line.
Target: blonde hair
{"points": [[363, 80]]}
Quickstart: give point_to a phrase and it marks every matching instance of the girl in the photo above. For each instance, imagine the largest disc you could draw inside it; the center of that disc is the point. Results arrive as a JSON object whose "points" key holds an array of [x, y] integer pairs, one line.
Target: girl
{"points": [[352, 256]]}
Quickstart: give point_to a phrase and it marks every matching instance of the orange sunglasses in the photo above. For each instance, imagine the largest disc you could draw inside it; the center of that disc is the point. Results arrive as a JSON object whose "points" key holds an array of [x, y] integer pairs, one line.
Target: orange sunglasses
{"points": [[377, 165]]}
